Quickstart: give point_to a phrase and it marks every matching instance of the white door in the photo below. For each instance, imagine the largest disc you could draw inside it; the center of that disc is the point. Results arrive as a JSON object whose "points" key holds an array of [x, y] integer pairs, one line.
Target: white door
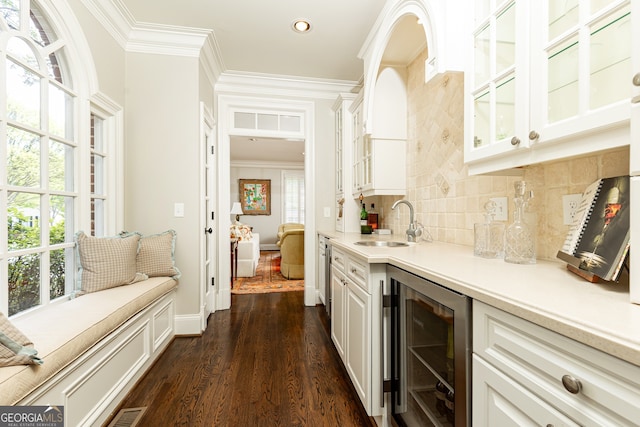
{"points": [[209, 235]]}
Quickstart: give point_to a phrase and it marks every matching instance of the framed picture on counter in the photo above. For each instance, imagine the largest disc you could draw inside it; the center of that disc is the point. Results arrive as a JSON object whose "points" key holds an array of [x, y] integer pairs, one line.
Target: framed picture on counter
{"points": [[255, 196]]}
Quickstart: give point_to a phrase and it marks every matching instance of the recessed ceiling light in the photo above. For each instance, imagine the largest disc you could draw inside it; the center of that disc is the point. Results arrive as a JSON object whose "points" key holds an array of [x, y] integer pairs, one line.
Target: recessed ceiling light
{"points": [[301, 26]]}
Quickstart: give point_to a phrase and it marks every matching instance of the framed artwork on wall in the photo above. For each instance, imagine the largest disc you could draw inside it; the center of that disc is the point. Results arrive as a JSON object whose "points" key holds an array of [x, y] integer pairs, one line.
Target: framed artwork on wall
{"points": [[255, 196]]}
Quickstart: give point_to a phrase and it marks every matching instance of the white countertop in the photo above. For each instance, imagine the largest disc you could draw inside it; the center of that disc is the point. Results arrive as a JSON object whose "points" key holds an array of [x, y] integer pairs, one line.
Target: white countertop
{"points": [[597, 314]]}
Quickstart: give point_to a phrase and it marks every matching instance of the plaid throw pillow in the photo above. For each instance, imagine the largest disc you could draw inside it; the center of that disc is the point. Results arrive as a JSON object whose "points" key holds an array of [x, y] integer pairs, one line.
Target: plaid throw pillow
{"points": [[107, 262], [15, 347], [156, 255]]}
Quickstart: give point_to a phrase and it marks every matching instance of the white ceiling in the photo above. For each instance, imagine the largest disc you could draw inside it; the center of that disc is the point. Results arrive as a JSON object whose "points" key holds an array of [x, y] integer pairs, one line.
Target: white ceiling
{"points": [[255, 36]]}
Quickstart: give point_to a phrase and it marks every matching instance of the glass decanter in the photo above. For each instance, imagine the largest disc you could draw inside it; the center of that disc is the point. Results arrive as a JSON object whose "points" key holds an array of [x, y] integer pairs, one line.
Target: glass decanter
{"points": [[520, 240], [489, 235]]}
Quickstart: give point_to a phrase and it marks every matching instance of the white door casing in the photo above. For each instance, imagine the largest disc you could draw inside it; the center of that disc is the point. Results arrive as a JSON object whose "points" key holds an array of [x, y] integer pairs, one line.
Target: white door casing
{"points": [[227, 104], [208, 180]]}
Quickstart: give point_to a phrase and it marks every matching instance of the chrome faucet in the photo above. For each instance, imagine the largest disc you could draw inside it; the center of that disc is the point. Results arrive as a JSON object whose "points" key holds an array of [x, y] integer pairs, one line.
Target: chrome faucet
{"points": [[412, 231]]}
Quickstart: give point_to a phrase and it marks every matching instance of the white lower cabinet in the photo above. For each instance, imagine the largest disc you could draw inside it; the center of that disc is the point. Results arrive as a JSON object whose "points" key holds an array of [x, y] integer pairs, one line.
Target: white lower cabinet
{"points": [[500, 401], [356, 324], [338, 296], [358, 355], [524, 374]]}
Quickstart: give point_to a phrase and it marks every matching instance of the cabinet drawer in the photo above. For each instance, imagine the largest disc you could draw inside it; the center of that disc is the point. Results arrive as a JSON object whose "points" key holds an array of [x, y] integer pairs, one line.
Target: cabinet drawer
{"points": [[338, 259], [608, 393], [358, 272], [499, 401]]}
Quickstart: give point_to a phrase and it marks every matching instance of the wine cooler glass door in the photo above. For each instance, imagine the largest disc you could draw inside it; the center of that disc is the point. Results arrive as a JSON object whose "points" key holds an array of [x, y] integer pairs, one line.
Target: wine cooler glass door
{"points": [[427, 377]]}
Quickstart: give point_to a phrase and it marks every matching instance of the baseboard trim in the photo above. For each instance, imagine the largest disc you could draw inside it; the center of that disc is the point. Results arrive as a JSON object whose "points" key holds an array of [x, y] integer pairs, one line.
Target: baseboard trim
{"points": [[188, 324]]}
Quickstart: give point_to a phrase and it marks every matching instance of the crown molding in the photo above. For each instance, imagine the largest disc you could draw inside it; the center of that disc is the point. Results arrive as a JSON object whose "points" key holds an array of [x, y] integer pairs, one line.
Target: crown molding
{"points": [[239, 82], [114, 17], [212, 59], [166, 40], [142, 37]]}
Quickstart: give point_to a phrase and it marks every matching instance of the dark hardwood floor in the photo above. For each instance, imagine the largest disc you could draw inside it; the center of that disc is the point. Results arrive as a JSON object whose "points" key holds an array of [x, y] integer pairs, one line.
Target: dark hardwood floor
{"points": [[268, 361]]}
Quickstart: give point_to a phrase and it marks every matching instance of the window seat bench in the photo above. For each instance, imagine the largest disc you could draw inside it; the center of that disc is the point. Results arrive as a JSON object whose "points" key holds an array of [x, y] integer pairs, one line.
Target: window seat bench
{"points": [[95, 347]]}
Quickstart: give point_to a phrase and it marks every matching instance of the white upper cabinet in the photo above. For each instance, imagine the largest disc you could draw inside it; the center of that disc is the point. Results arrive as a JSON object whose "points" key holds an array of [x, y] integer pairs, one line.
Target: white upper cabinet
{"points": [[380, 157], [498, 78], [635, 100], [549, 82]]}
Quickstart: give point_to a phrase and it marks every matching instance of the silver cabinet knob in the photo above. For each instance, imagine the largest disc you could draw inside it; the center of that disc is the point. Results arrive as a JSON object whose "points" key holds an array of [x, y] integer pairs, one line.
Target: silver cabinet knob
{"points": [[636, 80], [571, 384], [533, 135], [515, 140]]}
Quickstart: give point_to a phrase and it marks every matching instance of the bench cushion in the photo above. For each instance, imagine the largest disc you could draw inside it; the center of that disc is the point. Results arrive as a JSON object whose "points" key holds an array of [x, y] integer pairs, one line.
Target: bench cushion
{"points": [[63, 332]]}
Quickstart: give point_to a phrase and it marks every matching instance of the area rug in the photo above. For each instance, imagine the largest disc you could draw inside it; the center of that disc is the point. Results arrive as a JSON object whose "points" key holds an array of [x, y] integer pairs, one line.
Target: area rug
{"points": [[267, 279]]}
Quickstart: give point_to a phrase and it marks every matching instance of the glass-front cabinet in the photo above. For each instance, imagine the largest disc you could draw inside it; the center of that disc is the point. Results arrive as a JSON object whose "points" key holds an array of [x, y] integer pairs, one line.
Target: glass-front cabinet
{"points": [[346, 211], [548, 80], [498, 80], [583, 61]]}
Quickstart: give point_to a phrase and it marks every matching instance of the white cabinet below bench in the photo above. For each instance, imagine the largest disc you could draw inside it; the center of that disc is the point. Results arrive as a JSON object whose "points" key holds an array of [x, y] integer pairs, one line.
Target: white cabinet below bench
{"points": [[92, 386]]}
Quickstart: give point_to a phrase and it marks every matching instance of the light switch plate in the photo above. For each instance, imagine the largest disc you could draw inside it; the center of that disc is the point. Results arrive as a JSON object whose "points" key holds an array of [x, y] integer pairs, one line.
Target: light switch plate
{"points": [[178, 210]]}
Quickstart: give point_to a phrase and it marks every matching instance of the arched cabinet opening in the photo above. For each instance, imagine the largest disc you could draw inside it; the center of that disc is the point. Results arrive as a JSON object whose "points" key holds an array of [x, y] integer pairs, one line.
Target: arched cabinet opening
{"points": [[380, 152]]}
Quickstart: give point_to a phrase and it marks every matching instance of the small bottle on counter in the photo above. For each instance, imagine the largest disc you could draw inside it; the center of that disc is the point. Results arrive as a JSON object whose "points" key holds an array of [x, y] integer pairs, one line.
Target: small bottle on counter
{"points": [[372, 217], [489, 235]]}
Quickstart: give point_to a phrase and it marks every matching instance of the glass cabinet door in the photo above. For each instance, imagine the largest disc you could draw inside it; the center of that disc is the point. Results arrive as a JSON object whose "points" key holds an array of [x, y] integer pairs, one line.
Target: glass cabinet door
{"points": [[499, 99], [586, 63], [339, 151], [357, 150]]}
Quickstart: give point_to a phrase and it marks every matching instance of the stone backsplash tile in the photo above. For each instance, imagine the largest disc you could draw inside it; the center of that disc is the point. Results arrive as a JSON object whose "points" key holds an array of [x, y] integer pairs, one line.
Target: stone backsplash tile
{"points": [[448, 201]]}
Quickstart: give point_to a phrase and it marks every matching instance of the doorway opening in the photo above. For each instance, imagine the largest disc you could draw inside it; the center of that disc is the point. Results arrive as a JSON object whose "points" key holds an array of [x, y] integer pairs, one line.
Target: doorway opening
{"points": [[258, 138]]}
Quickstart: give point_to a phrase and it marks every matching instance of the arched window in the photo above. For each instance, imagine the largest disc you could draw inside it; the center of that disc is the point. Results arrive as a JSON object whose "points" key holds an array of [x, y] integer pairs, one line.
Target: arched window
{"points": [[39, 149]]}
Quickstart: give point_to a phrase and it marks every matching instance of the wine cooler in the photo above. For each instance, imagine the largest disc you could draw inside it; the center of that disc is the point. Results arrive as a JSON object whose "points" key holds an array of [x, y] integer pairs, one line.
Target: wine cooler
{"points": [[430, 351]]}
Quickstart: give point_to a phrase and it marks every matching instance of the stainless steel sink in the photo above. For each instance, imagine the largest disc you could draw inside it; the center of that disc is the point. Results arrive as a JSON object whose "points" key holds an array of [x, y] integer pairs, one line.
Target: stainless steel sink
{"points": [[382, 243]]}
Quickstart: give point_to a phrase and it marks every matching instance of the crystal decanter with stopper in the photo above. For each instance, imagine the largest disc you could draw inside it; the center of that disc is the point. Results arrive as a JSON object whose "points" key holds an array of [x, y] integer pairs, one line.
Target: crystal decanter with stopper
{"points": [[520, 240], [489, 235]]}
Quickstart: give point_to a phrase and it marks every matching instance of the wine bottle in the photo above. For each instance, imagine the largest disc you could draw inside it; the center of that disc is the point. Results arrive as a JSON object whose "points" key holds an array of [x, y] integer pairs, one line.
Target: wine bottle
{"points": [[363, 215]]}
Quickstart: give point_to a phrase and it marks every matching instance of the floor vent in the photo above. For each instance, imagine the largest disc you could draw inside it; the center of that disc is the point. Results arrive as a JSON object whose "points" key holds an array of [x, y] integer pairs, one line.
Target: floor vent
{"points": [[128, 417]]}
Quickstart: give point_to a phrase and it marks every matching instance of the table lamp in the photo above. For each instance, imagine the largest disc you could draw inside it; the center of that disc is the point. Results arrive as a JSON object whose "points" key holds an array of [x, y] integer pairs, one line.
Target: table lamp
{"points": [[236, 210]]}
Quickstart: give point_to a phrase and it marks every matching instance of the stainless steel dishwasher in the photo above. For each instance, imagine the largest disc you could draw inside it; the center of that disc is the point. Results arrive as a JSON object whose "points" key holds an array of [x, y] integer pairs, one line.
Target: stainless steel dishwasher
{"points": [[327, 276]]}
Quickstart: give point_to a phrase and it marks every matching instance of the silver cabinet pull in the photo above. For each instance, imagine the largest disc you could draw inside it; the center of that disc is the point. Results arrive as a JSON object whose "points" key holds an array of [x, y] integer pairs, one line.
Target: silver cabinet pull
{"points": [[636, 82], [533, 135], [515, 141], [571, 384]]}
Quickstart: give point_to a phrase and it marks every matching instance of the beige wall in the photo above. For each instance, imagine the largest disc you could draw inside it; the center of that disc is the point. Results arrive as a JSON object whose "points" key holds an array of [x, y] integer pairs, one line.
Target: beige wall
{"points": [[162, 159], [448, 201], [108, 56]]}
